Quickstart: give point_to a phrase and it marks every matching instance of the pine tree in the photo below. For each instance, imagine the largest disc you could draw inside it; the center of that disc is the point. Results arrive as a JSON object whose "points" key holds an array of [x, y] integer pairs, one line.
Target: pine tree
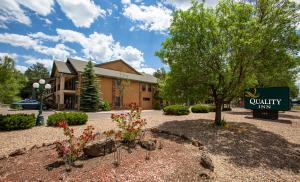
{"points": [[90, 90]]}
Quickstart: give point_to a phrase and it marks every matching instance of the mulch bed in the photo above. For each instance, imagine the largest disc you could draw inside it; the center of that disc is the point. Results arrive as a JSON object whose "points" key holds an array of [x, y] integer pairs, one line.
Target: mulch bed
{"points": [[178, 160]]}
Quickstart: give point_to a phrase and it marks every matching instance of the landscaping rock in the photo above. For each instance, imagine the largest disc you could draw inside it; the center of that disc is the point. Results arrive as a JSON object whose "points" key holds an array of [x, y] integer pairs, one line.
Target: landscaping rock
{"points": [[78, 164], [206, 174], [148, 144], [99, 148], [196, 143], [18, 152], [3, 157], [206, 162]]}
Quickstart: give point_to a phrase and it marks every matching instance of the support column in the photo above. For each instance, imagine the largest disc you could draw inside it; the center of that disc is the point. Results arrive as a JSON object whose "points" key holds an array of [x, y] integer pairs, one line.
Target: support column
{"points": [[78, 91], [61, 92]]}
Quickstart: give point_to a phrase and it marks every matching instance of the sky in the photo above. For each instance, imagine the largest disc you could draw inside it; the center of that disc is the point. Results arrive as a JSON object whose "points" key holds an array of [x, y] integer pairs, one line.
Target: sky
{"points": [[41, 31]]}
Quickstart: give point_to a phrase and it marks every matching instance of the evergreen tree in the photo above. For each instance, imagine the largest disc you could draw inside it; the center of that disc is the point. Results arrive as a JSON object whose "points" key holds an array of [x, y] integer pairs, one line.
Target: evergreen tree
{"points": [[90, 92]]}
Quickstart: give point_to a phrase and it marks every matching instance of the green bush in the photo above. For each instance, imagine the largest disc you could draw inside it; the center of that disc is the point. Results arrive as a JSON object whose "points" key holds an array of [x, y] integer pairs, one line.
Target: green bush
{"points": [[105, 106], [17, 121], [296, 107], [200, 109], [212, 108], [221, 123], [72, 118], [176, 110], [157, 106], [15, 106]]}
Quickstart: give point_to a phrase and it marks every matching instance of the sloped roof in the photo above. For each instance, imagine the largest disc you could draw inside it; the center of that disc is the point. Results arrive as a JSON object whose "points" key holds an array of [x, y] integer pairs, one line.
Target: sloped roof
{"points": [[118, 60], [62, 67], [80, 65]]}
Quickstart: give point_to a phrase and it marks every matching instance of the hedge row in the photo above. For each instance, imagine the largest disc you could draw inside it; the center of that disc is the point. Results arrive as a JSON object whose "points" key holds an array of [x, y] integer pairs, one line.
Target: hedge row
{"points": [[72, 118], [176, 110], [200, 108], [206, 108], [17, 121]]}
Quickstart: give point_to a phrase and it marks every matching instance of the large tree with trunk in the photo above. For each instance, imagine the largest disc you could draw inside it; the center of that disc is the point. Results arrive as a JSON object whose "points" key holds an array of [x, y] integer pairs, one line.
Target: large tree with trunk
{"points": [[217, 51]]}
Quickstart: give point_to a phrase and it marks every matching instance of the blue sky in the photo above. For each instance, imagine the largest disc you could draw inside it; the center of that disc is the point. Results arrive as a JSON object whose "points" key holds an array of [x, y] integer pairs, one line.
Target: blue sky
{"points": [[43, 30]]}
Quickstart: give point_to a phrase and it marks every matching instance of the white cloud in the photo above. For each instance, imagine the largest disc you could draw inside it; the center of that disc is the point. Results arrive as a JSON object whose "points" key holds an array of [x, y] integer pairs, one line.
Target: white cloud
{"points": [[81, 12], [32, 60], [10, 11], [109, 12], [179, 4], [11, 55], [34, 41], [60, 51], [18, 40], [186, 4], [103, 47], [151, 18], [21, 68], [43, 7], [147, 70], [42, 36], [125, 1]]}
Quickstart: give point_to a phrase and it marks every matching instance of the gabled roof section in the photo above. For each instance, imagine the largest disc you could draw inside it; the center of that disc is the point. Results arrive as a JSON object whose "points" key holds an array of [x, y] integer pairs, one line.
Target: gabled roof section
{"points": [[79, 66], [62, 67], [118, 65]]}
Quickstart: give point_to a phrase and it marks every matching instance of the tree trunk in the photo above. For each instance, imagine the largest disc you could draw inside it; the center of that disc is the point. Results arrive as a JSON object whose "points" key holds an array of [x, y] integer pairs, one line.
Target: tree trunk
{"points": [[218, 115]]}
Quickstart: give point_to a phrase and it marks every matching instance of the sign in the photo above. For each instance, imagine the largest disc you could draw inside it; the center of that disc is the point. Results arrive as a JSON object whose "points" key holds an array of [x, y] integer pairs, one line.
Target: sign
{"points": [[270, 98]]}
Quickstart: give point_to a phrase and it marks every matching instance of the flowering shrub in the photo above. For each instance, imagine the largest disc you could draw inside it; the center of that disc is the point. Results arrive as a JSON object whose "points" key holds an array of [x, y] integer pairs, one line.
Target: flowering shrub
{"points": [[130, 125], [71, 150]]}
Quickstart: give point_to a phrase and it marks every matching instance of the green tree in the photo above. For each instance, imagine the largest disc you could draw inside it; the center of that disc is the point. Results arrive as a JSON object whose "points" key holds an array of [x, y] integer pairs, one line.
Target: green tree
{"points": [[37, 71], [33, 74], [11, 81], [215, 51], [90, 92], [276, 58]]}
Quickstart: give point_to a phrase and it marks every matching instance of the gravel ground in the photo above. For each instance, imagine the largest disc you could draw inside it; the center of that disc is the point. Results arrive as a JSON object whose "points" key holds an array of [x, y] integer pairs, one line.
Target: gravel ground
{"points": [[247, 150]]}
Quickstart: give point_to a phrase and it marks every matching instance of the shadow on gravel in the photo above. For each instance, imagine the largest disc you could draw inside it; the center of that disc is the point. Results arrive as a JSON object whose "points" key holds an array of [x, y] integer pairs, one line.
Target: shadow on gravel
{"points": [[244, 143], [284, 121]]}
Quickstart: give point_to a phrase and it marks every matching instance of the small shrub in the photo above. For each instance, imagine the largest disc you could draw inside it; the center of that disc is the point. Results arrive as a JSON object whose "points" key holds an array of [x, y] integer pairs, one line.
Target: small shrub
{"points": [[157, 106], [221, 123], [176, 110], [72, 118], [296, 107], [200, 109], [15, 106], [72, 149], [105, 106], [212, 108], [130, 125], [17, 121]]}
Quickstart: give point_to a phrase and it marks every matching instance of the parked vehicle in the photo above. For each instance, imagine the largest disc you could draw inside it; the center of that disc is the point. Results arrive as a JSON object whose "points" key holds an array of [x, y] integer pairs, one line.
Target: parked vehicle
{"points": [[29, 104]]}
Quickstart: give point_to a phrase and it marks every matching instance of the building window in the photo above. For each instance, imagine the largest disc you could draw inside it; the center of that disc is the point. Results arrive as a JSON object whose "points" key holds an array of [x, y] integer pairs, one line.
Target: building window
{"points": [[143, 87], [149, 88], [146, 99], [118, 83], [117, 102]]}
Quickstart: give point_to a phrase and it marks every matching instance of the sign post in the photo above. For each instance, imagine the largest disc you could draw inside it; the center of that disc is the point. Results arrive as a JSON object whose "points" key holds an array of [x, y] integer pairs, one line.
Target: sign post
{"points": [[266, 102]]}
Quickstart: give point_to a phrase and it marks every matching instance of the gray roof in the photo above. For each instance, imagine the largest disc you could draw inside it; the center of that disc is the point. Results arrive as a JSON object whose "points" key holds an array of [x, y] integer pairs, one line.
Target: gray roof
{"points": [[63, 67], [80, 65]]}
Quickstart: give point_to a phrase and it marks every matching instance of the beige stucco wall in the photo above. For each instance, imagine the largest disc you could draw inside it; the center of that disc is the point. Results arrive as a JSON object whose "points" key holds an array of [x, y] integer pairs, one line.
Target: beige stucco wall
{"points": [[106, 88], [131, 94], [146, 94]]}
